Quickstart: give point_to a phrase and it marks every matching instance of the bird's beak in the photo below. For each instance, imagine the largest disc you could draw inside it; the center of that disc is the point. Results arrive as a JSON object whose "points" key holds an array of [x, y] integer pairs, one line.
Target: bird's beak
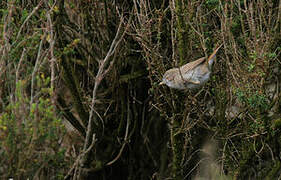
{"points": [[161, 83]]}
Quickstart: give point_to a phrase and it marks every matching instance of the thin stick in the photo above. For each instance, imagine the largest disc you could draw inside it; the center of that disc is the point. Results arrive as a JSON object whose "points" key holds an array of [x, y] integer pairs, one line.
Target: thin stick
{"points": [[53, 59], [75, 165], [28, 17], [18, 67], [36, 68], [173, 34], [125, 139], [99, 77]]}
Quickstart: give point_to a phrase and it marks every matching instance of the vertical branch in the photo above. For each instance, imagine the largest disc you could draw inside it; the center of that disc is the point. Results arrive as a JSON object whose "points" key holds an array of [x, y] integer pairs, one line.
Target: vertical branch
{"points": [[28, 17], [173, 35], [59, 20], [177, 142], [181, 31], [36, 69], [278, 19], [86, 159], [200, 31], [53, 59], [177, 138], [125, 137], [6, 46], [18, 69], [99, 77]]}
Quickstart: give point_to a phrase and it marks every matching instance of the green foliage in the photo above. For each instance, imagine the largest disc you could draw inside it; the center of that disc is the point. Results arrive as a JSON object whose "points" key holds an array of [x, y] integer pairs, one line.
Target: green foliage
{"points": [[255, 100], [277, 124], [30, 136], [129, 100], [69, 49], [212, 4]]}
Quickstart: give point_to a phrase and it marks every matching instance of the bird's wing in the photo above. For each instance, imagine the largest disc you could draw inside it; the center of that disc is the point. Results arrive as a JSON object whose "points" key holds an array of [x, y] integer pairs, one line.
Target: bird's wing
{"points": [[187, 67]]}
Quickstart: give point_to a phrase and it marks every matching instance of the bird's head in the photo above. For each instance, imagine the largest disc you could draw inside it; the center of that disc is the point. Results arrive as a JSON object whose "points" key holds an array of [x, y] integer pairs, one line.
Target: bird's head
{"points": [[169, 78]]}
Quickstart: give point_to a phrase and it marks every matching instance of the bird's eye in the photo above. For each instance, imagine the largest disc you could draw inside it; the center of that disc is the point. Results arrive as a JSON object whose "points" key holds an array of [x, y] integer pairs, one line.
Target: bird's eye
{"points": [[170, 77]]}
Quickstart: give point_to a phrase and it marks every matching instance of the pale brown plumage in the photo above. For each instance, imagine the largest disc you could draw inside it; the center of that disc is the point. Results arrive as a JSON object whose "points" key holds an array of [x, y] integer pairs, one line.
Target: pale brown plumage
{"points": [[191, 75]]}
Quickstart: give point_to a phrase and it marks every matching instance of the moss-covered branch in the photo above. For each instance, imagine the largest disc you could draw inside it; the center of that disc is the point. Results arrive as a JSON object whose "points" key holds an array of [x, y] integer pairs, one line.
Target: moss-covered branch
{"points": [[69, 77], [181, 31], [177, 140]]}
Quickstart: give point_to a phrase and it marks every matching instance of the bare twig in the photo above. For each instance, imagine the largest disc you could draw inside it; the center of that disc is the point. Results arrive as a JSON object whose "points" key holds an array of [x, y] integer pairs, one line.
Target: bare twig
{"points": [[125, 138], [76, 163], [28, 17], [5, 48], [201, 160], [18, 67], [199, 34], [99, 77], [35, 69], [53, 59], [173, 34], [271, 152]]}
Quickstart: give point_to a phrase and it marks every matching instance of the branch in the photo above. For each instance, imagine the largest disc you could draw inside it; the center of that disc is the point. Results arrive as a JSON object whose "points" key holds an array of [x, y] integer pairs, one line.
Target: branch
{"points": [[99, 77], [117, 43], [18, 68], [28, 17], [53, 59], [112, 48], [173, 34], [69, 116], [36, 68], [76, 163], [125, 139]]}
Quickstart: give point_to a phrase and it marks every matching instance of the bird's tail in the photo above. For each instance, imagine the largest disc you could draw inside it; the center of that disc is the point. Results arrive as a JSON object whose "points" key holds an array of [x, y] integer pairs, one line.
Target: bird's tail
{"points": [[213, 55]]}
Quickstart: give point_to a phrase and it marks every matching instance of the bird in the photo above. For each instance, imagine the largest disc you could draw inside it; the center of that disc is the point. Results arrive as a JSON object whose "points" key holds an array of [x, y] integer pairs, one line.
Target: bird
{"points": [[192, 75]]}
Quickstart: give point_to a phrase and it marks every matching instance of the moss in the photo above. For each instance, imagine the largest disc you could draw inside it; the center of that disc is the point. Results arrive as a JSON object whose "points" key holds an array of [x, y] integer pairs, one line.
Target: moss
{"points": [[72, 86], [276, 124], [245, 162], [69, 75], [273, 174], [181, 32], [177, 146]]}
